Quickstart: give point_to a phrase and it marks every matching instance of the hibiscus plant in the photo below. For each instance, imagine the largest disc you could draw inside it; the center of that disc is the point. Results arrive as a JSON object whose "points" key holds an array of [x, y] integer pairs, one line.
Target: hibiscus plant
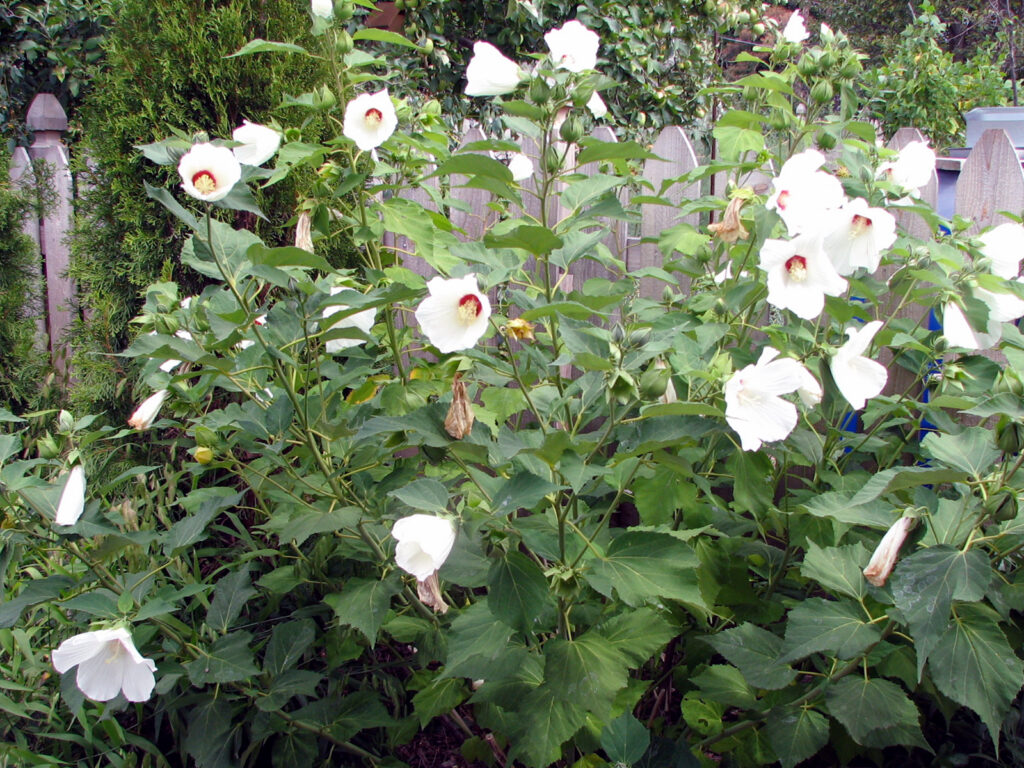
{"points": [[757, 503]]}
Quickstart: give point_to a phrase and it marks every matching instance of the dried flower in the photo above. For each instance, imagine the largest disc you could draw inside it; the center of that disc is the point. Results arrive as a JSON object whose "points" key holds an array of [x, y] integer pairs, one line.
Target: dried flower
{"points": [[730, 228], [459, 420], [884, 557], [519, 329]]}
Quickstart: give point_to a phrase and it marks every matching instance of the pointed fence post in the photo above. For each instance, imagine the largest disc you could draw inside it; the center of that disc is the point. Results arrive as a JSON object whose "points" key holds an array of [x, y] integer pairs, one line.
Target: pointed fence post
{"points": [[991, 181], [47, 119]]}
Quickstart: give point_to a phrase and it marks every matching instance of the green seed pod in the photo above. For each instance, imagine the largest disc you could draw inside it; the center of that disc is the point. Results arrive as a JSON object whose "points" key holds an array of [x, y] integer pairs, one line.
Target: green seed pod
{"points": [[572, 130], [822, 92], [654, 382], [47, 447], [825, 140], [540, 91], [552, 161], [344, 43], [1002, 506], [807, 66], [344, 10], [1010, 435]]}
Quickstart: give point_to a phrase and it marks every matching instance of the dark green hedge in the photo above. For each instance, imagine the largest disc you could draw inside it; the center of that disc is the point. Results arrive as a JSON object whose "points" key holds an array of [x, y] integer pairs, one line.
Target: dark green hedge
{"points": [[165, 67], [21, 369]]}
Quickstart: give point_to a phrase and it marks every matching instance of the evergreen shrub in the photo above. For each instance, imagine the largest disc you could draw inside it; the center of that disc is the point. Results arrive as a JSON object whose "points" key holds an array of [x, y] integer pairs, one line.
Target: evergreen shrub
{"points": [[165, 65]]}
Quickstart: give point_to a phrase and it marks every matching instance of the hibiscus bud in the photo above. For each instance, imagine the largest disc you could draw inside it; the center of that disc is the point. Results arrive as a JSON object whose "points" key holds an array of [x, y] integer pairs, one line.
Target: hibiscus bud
{"points": [[344, 10], [47, 447], [822, 92], [654, 381], [1010, 435], [432, 108], [65, 422], [825, 140], [884, 557], [622, 387], [203, 454], [851, 67], [1002, 506], [571, 130], [540, 92], [552, 160], [167, 324], [459, 420], [344, 44]]}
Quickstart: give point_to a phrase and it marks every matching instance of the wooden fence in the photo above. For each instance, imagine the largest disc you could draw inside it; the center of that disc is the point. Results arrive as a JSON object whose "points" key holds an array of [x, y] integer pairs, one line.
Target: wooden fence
{"points": [[990, 181]]}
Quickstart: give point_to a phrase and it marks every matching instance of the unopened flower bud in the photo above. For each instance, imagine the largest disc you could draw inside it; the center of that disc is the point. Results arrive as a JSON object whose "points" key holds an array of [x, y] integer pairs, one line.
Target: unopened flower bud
{"points": [[884, 557], [47, 447], [65, 421], [1002, 506], [825, 140], [203, 454], [344, 10], [167, 324], [1010, 435], [344, 44], [459, 420], [807, 66], [822, 92], [851, 67], [571, 130], [654, 381]]}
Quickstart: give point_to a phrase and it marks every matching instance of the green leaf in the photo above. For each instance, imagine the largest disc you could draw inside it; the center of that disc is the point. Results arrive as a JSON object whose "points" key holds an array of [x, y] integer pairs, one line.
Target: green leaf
{"points": [[868, 708], [35, 592], [383, 36], [638, 634], [228, 661], [625, 739], [208, 736], [442, 695], [973, 450], [166, 199], [545, 722], [796, 734], [581, 192], [536, 240], [594, 151], [756, 652], [925, 584], [734, 142], [837, 505], [900, 478], [684, 238], [364, 603], [190, 529], [974, 665], [266, 46], [642, 566], [426, 494], [725, 685], [229, 598], [523, 491], [231, 246], [294, 682], [823, 625], [518, 591], [478, 645], [839, 569], [294, 748], [308, 521], [288, 256], [587, 669], [474, 164], [287, 643], [658, 497]]}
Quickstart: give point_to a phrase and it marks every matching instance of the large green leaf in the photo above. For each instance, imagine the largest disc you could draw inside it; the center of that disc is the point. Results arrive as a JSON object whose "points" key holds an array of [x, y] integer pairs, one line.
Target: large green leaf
{"points": [[824, 625], [478, 645], [442, 695], [901, 478], [871, 709], [523, 491], [796, 733], [974, 665], [229, 598], [839, 569], [363, 603], [208, 736], [426, 494], [625, 739], [545, 722], [587, 669], [726, 685], [518, 591], [925, 584], [641, 566], [287, 643], [35, 592], [228, 661], [973, 450], [756, 652], [638, 634]]}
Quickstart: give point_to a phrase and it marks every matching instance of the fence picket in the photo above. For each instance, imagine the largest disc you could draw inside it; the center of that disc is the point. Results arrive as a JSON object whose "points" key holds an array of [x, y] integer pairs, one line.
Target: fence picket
{"points": [[991, 181]]}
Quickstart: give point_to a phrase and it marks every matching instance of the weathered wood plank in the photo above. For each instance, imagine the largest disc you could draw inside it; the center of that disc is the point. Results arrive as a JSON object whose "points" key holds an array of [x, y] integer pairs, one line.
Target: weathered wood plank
{"points": [[991, 181], [23, 177], [678, 157]]}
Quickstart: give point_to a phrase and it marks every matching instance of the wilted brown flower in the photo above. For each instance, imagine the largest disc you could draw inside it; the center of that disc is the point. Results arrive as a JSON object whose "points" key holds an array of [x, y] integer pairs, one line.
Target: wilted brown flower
{"points": [[519, 329], [303, 232], [730, 228], [429, 593], [459, 420]]}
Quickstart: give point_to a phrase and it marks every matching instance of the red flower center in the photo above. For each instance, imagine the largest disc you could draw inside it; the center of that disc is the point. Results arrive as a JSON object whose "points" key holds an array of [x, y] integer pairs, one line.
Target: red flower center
{"points": [[374, 116], [204, 182], [859, 225], [469, 308], [781, 200], [797, 268]]}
